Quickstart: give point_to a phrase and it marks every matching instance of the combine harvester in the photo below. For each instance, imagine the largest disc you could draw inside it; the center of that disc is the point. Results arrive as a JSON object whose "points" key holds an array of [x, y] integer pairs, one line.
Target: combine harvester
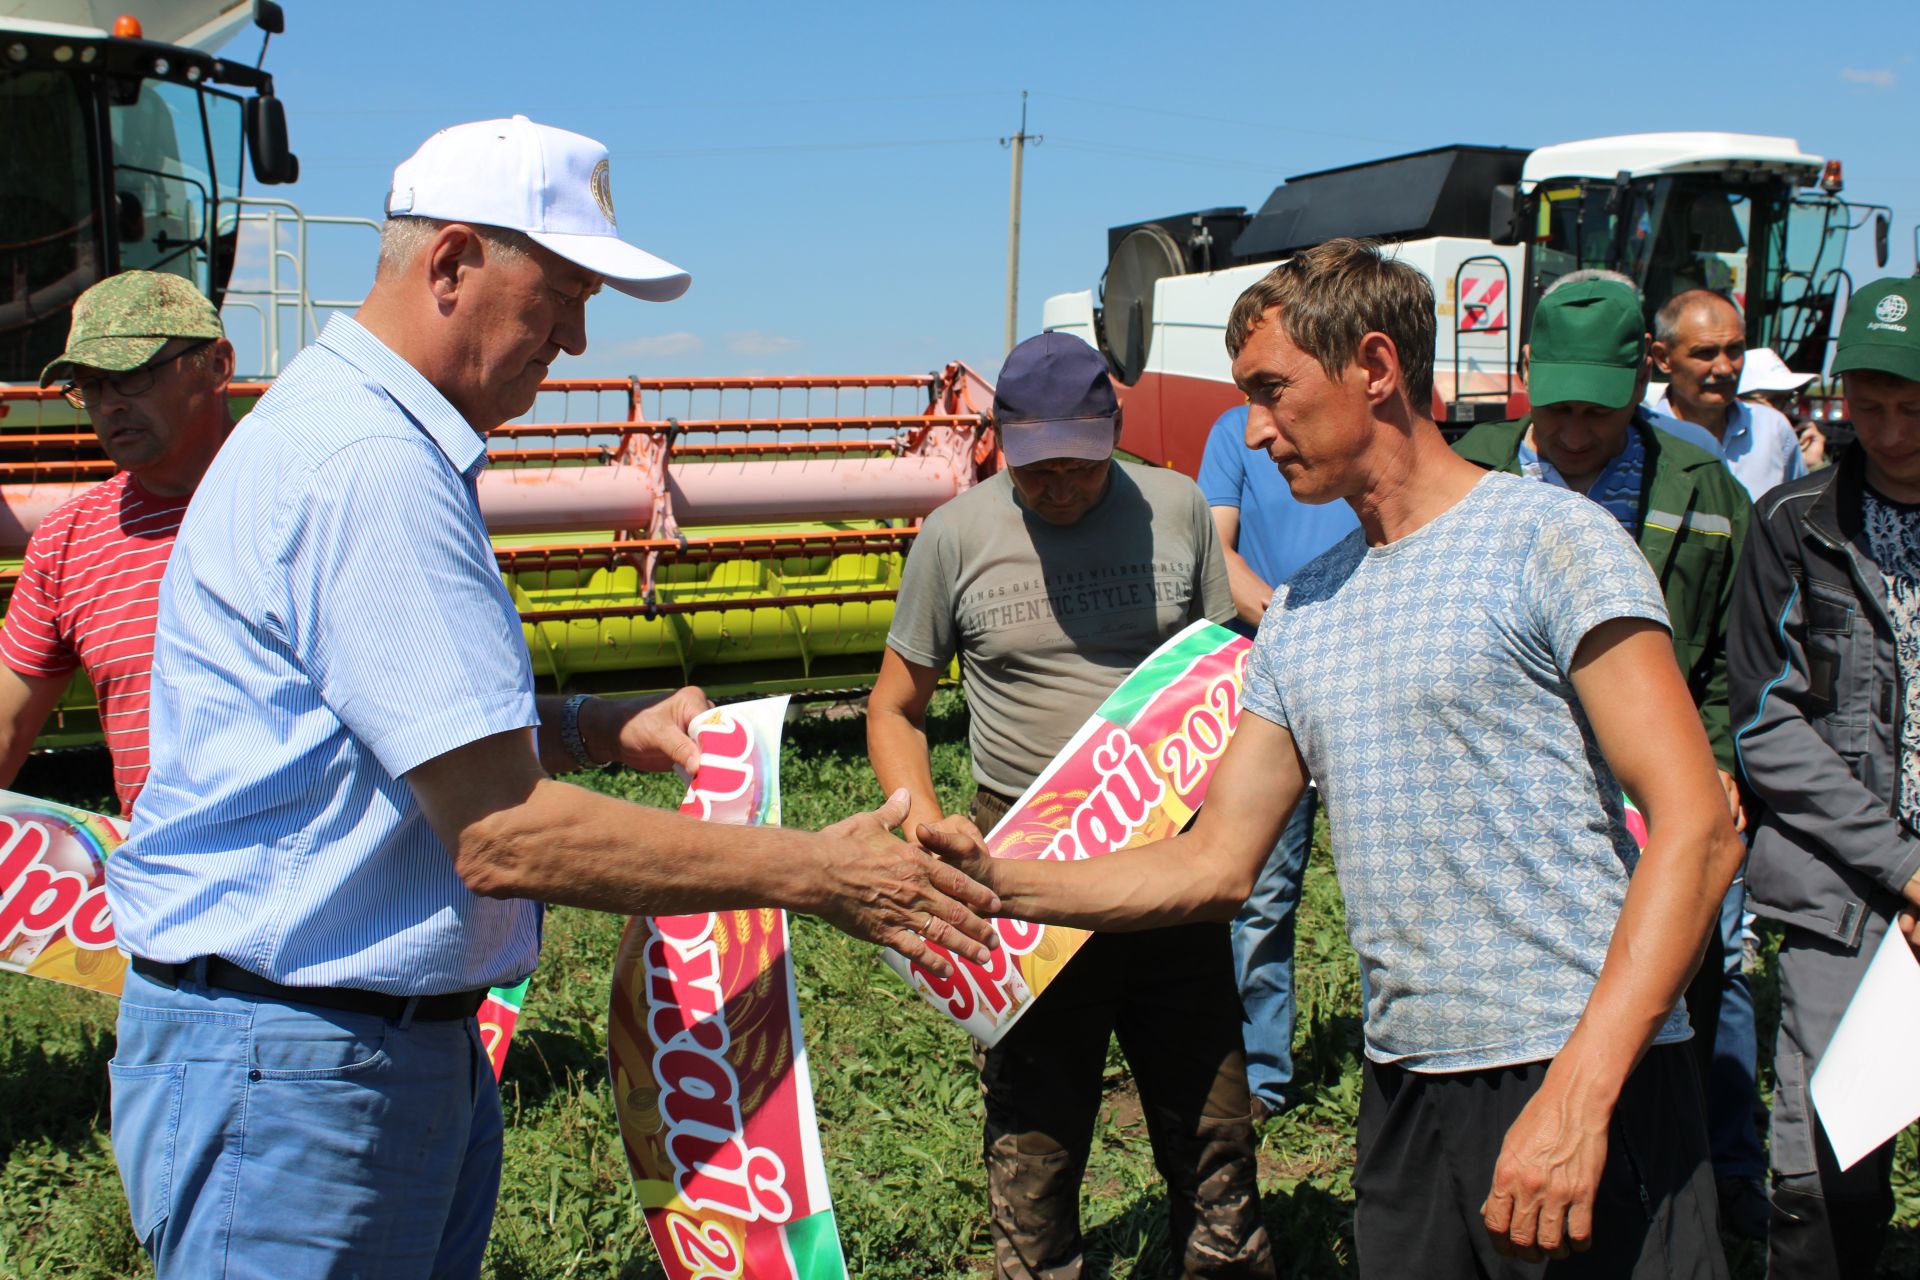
{"points": [[1493, 228], [745, 534]]}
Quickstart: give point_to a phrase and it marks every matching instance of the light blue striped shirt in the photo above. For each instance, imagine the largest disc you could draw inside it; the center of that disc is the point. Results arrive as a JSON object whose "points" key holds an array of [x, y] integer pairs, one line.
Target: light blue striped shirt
{"points": [[332, 616], [1760, 447]]}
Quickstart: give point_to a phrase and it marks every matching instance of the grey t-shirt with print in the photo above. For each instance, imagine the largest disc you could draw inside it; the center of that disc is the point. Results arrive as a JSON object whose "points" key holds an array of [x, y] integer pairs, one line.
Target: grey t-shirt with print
{"points": [[1478, 834], [1048, 619]]}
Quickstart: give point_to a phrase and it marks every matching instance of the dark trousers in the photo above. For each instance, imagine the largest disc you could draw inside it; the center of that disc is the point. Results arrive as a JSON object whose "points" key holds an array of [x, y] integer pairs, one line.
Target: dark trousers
{"points": [[1169, 995], [1828, 1224], [1428, 1144]]}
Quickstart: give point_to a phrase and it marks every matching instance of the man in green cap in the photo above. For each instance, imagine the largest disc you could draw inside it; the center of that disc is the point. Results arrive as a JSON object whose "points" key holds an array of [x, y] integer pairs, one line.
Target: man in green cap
{"points": [[149, 362], [1824, 658], [1586, 370]]}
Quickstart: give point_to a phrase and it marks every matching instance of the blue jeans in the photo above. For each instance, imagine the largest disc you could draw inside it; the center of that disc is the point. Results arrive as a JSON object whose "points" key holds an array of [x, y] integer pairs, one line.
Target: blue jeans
{"points": [[263, 1139], [1263, 958], [1733, 1088]]}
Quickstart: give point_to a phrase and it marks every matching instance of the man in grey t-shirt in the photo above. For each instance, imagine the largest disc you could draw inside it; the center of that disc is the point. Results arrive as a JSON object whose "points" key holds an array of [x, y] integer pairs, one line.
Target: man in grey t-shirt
{"points": [[1051, 582], [1471, 678]]}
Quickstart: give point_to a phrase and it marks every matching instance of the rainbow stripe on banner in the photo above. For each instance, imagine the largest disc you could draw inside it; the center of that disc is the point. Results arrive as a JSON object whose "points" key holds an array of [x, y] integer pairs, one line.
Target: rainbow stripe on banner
{"points": [[55, 922], [1135, 772], [709, 1070]]}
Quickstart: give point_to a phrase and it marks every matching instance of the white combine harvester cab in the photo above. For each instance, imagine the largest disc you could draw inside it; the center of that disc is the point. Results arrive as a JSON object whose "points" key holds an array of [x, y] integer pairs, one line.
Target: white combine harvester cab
{"points": [[127, 137], [1493, 228]]}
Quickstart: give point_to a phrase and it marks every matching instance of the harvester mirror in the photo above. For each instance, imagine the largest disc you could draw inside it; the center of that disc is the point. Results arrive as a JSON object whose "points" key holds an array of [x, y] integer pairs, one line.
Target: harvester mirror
{"points": [[1503, 215], [269, 17], [1882, 227], [129, 217], [273, 163]]}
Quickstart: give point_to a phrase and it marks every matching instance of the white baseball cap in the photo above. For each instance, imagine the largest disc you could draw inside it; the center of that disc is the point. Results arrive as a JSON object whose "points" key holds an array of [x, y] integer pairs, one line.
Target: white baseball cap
{"points": [[1764, 370], [553, 185]]}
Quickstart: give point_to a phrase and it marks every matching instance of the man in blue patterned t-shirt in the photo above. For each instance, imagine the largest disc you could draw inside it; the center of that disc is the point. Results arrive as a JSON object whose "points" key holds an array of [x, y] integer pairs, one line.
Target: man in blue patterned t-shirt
{"points": [[1471, 679]]}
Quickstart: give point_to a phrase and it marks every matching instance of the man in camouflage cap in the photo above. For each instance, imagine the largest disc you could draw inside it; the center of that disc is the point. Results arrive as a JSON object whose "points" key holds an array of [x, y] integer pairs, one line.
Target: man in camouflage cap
{"points": [[149, 363], [1823, 658]]}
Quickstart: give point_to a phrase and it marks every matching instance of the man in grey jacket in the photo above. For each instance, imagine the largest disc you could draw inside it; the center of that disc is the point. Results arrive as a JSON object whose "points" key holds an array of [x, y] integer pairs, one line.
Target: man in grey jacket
{"points": [[1824, 664]]}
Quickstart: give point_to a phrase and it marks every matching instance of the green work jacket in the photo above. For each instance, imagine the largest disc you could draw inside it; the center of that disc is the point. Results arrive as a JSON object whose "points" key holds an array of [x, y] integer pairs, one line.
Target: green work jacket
{"points": [[1693, 522]]}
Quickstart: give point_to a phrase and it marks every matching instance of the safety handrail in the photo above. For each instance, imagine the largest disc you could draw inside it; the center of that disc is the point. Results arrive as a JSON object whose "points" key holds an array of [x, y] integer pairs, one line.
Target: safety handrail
{"points": [[291, 293]]}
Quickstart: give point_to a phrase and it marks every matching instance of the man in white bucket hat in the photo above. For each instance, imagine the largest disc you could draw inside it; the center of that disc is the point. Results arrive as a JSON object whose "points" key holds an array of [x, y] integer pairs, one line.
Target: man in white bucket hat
{"points": [[1765, 379], [349, 824]]}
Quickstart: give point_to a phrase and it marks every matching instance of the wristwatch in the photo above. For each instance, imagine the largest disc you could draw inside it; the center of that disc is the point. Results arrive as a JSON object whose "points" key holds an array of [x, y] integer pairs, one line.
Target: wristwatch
{"points": [[570, 735]]}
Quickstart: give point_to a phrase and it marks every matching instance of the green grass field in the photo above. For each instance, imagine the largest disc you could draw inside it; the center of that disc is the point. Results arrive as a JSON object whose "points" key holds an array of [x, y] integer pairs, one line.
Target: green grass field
{"points": [[898, 1106]]}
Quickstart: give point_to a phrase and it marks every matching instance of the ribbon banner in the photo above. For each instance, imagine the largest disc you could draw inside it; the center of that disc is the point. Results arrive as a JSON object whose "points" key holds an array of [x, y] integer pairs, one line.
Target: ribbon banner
{"points": [[55, 922], [1135, 772], [709, 1071]]}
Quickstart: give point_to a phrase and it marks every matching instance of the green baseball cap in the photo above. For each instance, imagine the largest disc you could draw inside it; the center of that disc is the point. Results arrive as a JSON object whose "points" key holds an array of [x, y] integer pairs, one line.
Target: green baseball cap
{"points": [[1882, 329], [1588, 343], [122, 322]]}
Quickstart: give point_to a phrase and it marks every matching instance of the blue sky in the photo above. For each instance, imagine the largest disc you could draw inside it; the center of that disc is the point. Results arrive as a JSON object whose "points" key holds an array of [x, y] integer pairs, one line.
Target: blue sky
{"points": [[832, 175]]}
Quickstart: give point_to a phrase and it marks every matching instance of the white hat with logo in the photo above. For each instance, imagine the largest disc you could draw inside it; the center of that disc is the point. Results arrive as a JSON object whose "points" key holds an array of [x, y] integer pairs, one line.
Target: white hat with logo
{"points": [[1764, 370], [553, 185]]}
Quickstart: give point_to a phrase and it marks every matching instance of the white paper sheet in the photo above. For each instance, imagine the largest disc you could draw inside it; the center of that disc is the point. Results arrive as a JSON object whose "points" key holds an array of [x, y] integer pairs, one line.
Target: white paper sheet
{"points": [[1867, 1086]]}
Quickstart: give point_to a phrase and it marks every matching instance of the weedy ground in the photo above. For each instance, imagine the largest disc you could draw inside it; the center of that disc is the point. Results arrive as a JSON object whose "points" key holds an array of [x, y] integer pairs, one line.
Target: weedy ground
{"points": [[898, 1106]]}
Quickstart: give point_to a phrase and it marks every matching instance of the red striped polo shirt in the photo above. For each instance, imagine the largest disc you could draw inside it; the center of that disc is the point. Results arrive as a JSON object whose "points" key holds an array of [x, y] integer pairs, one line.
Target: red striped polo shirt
{"points": [[88, 594]]}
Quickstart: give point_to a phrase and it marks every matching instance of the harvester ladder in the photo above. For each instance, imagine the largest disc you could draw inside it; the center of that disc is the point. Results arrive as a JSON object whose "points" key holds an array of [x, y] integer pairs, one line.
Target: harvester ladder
{"points": [[1461, 327]]}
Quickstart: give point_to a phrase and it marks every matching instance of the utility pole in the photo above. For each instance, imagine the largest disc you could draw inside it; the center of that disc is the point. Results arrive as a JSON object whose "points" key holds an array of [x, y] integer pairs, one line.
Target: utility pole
{"points": [[1018, 142]]}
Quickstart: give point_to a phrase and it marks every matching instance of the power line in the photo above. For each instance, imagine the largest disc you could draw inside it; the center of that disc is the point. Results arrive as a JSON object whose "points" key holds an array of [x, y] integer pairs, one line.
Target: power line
{"points": [[1171, 157], [1241, 122], [440, 109], [785, 148]]}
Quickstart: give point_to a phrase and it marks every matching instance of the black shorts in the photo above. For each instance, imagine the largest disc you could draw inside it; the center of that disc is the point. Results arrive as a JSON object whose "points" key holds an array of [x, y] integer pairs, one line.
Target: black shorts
{"points": [[1428, 1144]]}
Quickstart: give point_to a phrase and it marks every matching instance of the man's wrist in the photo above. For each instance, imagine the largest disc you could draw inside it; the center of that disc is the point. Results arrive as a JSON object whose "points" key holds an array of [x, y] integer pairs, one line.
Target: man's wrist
{"points": [[572, 732], [1590, 1077], [602, 723]]}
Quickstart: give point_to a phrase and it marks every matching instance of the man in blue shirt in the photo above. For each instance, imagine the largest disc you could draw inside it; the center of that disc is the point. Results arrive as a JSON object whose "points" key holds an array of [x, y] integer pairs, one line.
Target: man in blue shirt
{"points": [[1267, 535], [349, 825], [1700, 344]]}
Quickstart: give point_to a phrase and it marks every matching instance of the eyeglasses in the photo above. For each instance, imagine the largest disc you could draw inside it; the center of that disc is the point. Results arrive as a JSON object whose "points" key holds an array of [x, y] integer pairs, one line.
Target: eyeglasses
{"points": [[134, 382]]}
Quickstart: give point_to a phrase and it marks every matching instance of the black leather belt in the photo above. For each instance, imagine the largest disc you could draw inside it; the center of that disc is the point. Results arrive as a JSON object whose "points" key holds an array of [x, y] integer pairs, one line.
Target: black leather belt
{"points": [[230, 977]]}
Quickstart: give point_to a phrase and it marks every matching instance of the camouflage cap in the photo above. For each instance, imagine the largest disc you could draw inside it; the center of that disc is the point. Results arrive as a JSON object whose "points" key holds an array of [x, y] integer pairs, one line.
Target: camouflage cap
{"points": [[122, 322]]}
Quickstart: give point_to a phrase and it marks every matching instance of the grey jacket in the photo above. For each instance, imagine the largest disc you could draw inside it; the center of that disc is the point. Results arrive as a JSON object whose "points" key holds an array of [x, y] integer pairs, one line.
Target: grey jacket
{"points": [[1817, 703]]}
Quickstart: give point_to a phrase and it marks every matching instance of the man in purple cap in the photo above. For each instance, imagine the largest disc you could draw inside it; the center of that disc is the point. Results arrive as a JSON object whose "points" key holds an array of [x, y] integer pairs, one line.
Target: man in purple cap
{"points": [[344, 842], [1051, 582]]}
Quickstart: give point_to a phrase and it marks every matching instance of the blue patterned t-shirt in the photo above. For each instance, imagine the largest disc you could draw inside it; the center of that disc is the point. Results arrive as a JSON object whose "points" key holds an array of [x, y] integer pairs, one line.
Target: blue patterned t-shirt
{"points": [[1477, 832]]}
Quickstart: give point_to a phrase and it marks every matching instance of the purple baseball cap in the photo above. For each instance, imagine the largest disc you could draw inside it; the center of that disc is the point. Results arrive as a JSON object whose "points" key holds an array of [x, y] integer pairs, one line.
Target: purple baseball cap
{"points": [[1054, 399]]}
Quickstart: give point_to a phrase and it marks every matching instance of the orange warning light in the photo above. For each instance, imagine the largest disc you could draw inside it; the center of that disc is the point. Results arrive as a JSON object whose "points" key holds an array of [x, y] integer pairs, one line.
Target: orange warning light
{"points": [[127, 27]]}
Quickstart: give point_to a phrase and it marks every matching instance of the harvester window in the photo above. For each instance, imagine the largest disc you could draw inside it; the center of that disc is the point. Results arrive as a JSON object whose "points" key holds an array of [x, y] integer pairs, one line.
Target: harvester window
{"points": [[1700, 242], [1805, 270], [49, 229], [168, 166], [1575, 230]]}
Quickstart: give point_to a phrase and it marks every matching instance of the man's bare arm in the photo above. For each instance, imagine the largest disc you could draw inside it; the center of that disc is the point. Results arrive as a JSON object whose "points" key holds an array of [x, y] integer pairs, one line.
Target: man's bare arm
{"points": [[897, 736], [1541, 1201], [516, 833], [25, 704], [1251, 592], [1204, 874]]}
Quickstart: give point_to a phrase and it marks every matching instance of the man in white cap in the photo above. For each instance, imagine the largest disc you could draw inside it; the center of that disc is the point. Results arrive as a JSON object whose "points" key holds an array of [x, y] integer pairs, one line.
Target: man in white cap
{"points": [[349, 823], [1765, 379]]}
